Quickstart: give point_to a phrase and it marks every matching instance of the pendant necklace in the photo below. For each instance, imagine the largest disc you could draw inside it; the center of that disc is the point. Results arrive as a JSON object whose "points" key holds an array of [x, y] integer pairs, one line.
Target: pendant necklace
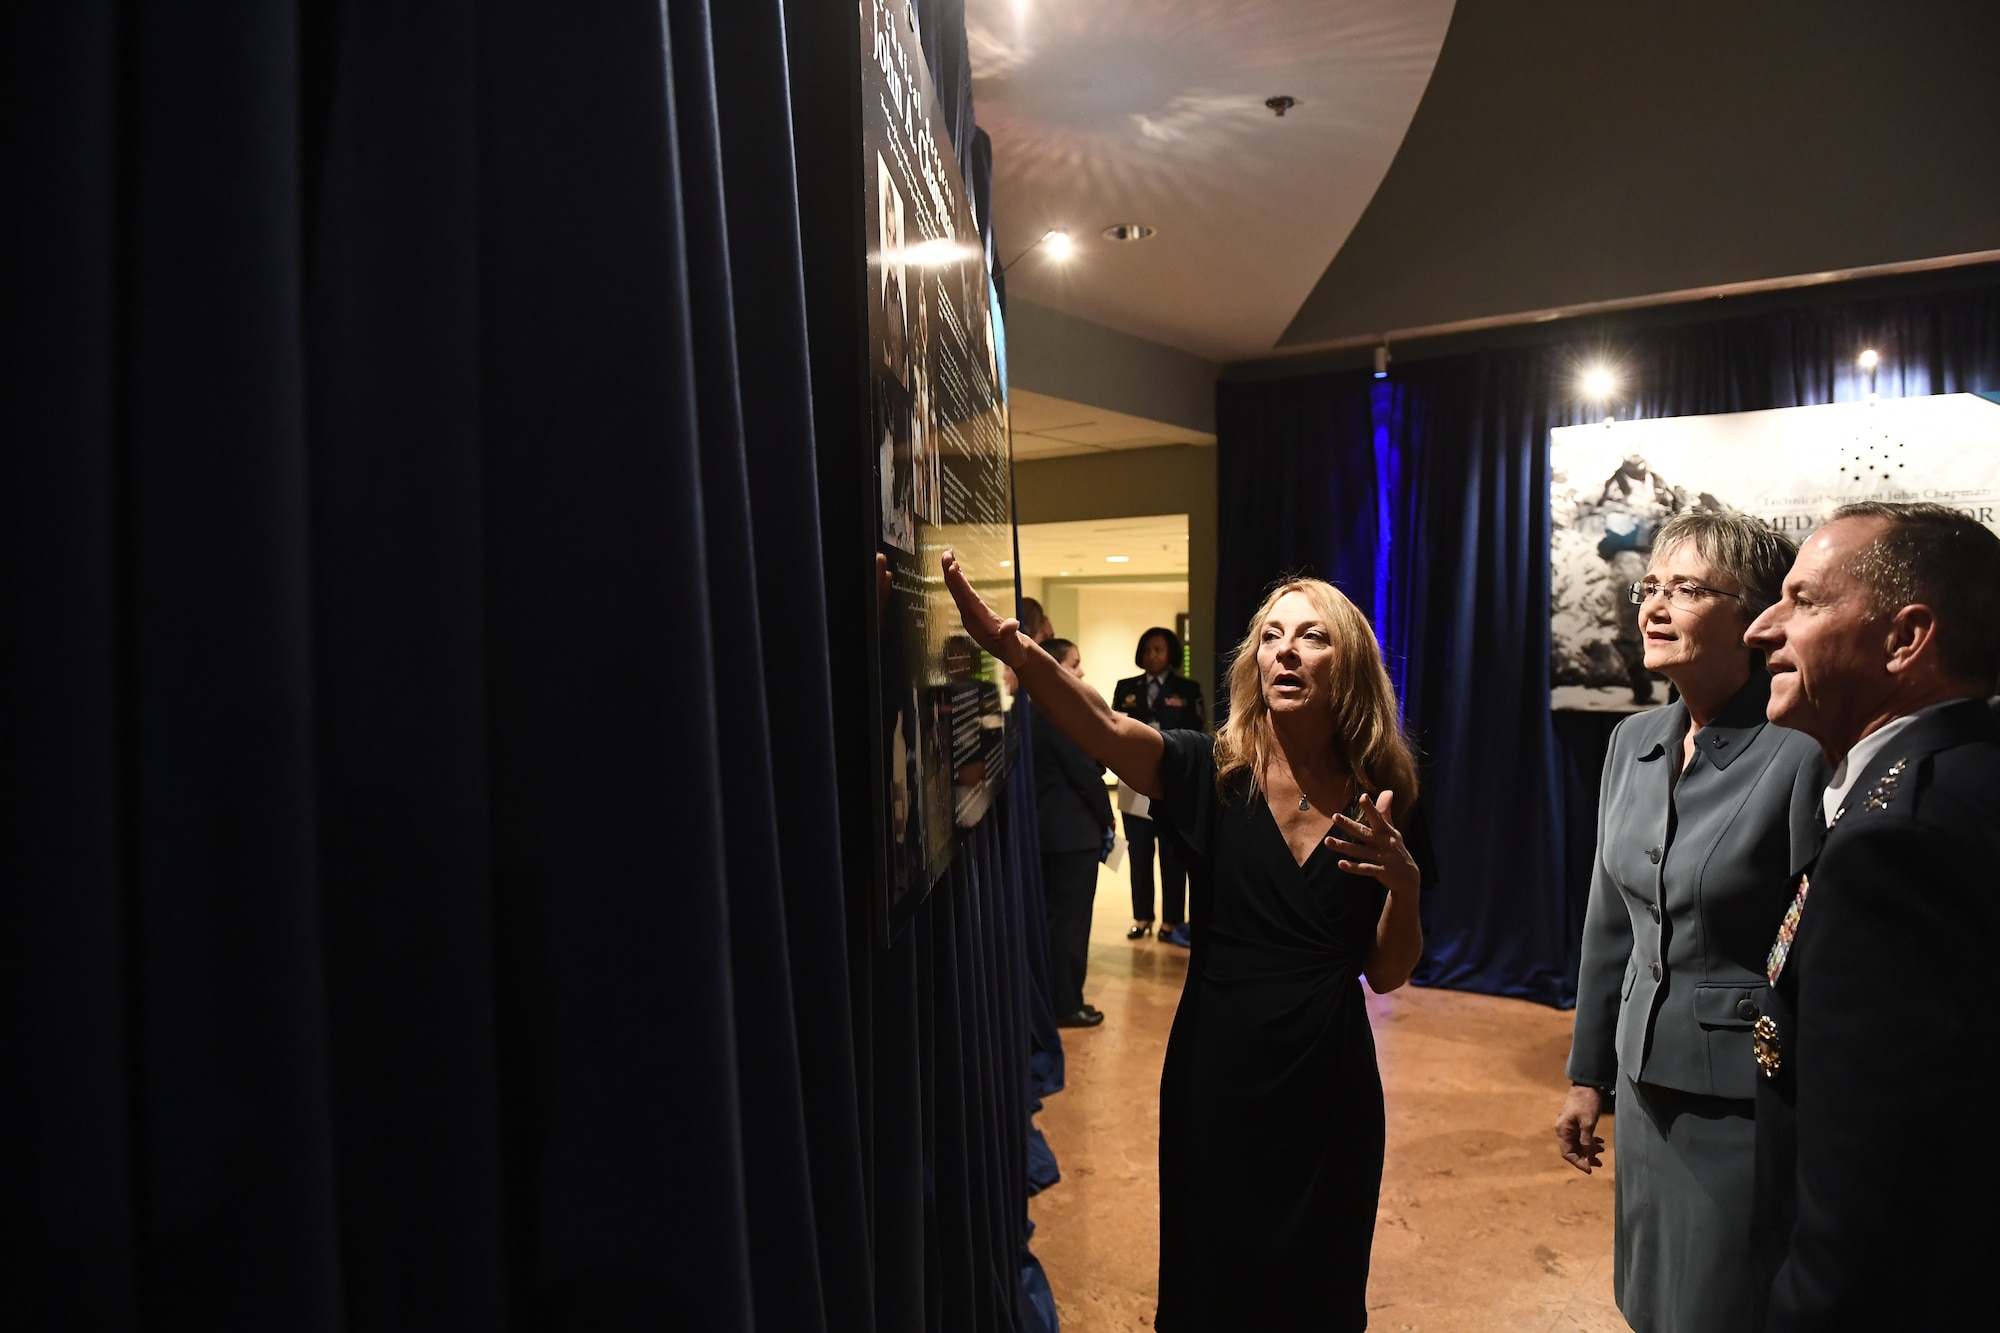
{"points": [[1304, 804]]}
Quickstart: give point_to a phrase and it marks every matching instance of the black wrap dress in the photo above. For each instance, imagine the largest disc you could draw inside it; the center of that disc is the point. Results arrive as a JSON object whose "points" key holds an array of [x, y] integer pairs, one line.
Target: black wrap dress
{"points": [[1271, 1122]]}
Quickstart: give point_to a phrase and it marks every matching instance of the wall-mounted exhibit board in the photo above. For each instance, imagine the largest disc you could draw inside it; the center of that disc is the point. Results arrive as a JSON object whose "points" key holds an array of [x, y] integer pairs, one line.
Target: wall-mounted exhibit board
{"points": [[1612, 486], [936, 447]]}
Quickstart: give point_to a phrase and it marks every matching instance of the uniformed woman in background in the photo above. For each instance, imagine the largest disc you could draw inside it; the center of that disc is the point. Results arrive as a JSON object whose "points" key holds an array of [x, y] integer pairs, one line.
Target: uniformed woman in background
{"points": [[1164, 700]]}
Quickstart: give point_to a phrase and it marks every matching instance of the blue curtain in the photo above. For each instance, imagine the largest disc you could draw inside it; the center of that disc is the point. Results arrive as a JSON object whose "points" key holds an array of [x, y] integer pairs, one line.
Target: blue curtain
{"points": [[426, 901], [1448, 488], [1295, 494]]}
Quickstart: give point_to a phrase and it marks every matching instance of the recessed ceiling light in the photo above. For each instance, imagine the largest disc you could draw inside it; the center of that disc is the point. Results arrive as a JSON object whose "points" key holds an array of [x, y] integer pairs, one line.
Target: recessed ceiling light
{"points": [[1006, 564], [1062, 573], [1119, 559], [1128, 231]]}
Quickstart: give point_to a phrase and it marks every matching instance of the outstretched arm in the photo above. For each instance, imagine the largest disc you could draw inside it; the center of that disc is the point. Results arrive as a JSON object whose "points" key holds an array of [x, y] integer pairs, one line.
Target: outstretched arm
{"points": [[1128, 748]]}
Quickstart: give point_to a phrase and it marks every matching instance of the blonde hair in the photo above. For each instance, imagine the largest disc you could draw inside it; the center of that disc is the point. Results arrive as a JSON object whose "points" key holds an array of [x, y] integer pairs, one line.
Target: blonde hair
{"points": [[1367, 728]]}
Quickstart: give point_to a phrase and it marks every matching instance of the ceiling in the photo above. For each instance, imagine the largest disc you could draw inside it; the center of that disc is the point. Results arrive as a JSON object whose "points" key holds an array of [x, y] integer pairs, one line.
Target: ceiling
{"points": [[1542, 161], [1152, 111], [1046, 427], [1155, 545], [1725, 147]]}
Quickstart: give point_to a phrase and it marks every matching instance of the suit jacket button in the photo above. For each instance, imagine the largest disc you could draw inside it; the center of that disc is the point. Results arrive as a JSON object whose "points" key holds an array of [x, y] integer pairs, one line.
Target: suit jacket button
{"points": [[1746, 1009], [1654, 910], [1657, 971], [1653, 854]]}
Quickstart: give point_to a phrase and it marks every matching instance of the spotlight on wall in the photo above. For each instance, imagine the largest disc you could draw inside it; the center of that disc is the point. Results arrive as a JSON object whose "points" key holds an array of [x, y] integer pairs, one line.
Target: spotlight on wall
{"points": [[1868, 359], [1599, 383], [1382, 361]]}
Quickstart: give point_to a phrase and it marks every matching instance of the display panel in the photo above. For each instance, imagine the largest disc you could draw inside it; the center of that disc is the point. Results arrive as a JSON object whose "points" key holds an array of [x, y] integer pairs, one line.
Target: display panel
{"points": [[1612, 486], [939, 451]]}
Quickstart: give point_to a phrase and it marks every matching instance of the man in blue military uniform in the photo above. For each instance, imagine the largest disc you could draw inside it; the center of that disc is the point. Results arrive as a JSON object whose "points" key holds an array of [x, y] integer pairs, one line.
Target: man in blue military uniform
{"points": [[1878, 1030], [1164, 699], [1074, 815]]}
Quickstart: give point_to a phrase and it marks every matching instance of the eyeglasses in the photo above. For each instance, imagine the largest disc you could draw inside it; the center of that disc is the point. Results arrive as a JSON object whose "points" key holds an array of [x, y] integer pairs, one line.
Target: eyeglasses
{"points": [[1684, 593]]}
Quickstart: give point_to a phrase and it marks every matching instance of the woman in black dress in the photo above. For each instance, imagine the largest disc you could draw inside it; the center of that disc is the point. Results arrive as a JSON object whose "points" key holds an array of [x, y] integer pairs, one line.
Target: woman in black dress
{"points": [[1271, 1122]]}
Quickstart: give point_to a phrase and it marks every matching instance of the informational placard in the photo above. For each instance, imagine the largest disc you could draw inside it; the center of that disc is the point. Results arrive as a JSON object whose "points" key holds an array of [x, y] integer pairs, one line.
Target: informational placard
{"points": [[938, 446], [1612, 486]]}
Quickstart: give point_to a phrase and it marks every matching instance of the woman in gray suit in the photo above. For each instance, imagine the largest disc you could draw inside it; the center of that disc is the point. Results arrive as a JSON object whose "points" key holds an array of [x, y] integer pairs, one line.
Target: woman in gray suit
{"points": [[1706, 815]]}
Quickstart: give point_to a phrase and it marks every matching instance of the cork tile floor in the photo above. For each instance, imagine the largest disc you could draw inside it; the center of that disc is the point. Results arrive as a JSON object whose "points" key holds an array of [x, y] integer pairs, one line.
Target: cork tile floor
{"points": [[1482, 1228]]}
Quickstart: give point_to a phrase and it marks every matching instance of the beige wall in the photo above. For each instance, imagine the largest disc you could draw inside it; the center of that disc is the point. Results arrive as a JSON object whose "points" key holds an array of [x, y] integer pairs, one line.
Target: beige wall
{"points": [[1059, 599], [1108, 622], [1132, 483]]}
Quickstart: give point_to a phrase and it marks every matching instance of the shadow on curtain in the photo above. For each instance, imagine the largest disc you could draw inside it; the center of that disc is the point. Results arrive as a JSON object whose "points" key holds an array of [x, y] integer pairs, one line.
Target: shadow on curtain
{"points": [[418, 785], [1452, 490]]}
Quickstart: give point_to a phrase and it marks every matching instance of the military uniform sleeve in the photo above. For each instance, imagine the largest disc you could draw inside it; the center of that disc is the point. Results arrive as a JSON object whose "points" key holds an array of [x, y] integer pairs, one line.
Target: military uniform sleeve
{"points": [[1095, 795], [1873, 1056]]}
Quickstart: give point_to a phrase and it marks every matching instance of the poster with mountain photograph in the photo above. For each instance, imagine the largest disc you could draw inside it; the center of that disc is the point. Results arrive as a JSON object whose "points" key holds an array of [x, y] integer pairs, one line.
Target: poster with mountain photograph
{"points": [[1611, 486]]}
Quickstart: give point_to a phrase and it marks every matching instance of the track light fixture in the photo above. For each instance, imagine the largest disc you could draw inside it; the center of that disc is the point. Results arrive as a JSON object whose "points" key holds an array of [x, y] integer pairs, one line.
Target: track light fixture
{"points": [[1058, 243]]}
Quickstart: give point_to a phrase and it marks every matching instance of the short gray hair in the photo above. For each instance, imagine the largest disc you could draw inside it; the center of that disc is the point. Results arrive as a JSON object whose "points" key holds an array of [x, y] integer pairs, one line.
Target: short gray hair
{"points": [[1933, 555], [1738, 545]]}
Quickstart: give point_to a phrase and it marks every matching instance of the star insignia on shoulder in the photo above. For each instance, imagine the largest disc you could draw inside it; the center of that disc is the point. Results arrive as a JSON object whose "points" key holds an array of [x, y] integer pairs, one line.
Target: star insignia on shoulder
{"points": [[1885, 790]]}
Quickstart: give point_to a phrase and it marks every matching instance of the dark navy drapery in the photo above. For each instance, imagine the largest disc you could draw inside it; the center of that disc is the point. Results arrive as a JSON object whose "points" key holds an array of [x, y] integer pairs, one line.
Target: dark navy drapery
{"points": [[421, 891], [1438, 476]]}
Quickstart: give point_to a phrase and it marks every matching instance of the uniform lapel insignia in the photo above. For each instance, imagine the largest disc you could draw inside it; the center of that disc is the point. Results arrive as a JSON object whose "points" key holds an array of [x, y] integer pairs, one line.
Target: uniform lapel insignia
{"points": [[1131, 699], [1885, 790]]}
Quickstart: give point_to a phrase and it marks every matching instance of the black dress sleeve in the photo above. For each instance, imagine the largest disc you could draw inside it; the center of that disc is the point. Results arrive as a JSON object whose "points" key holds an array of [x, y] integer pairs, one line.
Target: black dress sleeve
{"points": [[1188, 804]]}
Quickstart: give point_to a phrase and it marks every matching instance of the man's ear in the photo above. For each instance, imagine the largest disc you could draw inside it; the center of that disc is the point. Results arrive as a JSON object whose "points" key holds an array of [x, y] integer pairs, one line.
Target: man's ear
{"points": [[1912, 638]]}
